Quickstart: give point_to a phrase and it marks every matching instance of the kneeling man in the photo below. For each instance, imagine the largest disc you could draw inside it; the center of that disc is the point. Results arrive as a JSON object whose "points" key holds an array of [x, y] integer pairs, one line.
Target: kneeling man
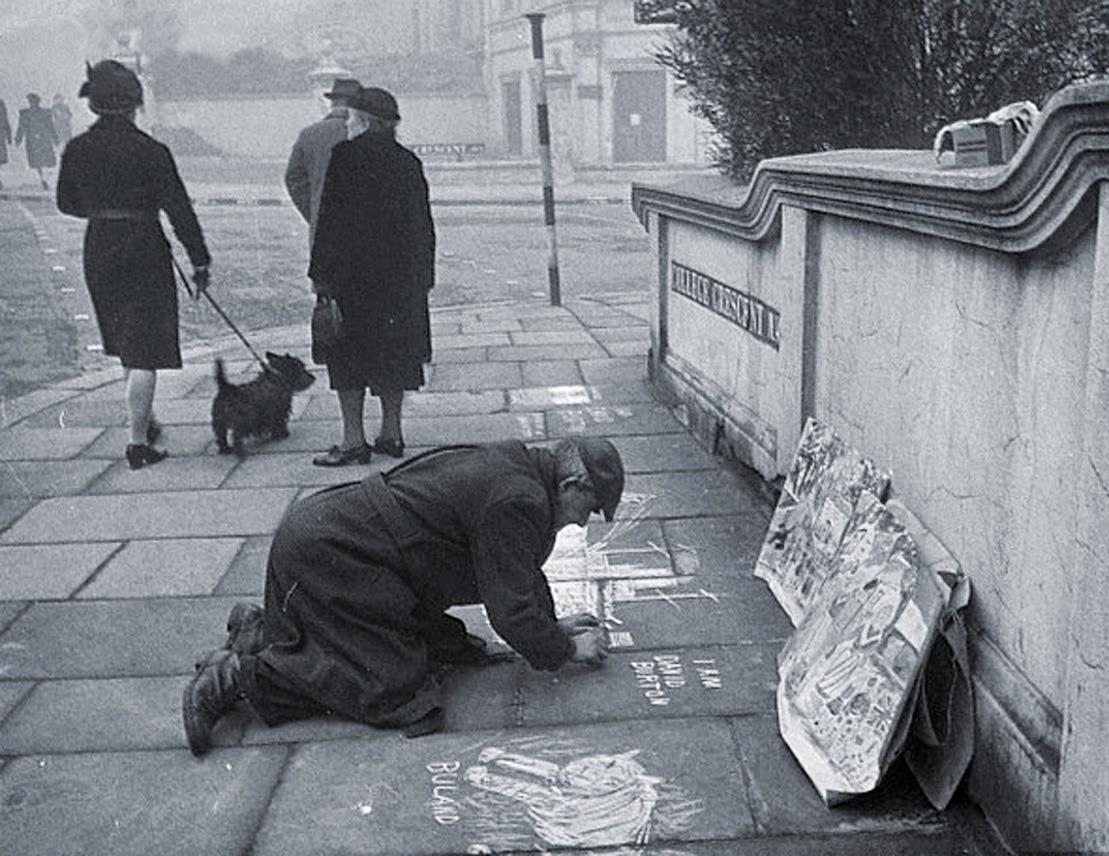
{"points": [[359, 576]]}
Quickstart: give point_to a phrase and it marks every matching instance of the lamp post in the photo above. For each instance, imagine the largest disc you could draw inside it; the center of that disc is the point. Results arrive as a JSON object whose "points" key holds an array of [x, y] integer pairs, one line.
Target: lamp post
{"points": [[544, 128]]}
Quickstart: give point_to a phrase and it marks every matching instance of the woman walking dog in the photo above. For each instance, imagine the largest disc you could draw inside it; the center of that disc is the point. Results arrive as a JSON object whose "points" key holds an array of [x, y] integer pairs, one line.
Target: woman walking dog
{"points": [[119, 178]]}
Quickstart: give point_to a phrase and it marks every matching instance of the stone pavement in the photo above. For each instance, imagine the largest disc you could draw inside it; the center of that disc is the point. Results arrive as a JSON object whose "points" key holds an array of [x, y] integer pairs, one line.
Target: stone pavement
{"points": [[113, 582]]}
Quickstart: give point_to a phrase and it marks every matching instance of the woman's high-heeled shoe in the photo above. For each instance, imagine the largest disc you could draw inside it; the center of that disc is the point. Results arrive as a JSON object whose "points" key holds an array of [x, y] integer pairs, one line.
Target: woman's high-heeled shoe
{"points": [[391, 446], [140, 454]]}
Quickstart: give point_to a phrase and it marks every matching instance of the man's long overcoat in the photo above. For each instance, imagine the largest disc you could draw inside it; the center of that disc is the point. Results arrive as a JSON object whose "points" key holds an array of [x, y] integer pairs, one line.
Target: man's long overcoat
{"points": [[356, 585], [307, 167], [37, 128], [374, 250], [115, 168]]}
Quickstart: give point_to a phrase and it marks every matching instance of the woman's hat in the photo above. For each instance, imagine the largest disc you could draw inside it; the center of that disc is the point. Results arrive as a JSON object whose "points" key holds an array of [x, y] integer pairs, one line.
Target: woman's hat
{"points": [[376, 102], [111, 87]]}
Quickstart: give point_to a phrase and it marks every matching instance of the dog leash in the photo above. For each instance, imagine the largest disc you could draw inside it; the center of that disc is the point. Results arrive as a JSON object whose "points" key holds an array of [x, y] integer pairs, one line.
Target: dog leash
{"points": [[219, 309]]}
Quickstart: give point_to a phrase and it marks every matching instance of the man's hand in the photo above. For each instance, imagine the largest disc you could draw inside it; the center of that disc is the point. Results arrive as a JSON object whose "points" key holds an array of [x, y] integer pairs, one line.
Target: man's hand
{"points": [[578, 623], [201, 277], [590, 646]]}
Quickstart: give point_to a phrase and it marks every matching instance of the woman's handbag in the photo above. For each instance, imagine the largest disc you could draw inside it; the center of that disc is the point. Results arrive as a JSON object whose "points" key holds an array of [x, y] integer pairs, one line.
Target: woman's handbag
{"points": [[327, 327]]}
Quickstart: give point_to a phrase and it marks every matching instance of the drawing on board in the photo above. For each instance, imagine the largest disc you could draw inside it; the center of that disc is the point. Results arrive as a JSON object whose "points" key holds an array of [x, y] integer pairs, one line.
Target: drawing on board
{"points": [[817, 505], [848, 671]]}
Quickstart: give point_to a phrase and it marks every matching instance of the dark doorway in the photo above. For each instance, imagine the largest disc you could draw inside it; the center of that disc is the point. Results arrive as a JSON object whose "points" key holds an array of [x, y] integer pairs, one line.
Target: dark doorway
{"points": [[513, 122], [638, 116]]}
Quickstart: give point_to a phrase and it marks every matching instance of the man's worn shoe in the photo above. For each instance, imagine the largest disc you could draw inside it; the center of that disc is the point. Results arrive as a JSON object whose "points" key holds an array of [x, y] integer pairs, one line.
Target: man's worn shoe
{"points": [[212, 692], [337, 457]]}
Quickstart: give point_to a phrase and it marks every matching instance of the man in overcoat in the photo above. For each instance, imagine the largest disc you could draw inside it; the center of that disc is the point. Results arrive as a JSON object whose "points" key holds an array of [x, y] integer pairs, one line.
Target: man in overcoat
{"points": [[359, 576], [119, 178], [37, 127], [307, 166], [374, 251]]}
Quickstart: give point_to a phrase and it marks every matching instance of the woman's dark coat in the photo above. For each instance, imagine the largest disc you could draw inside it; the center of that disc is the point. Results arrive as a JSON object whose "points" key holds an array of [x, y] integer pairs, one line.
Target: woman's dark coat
{"points": [[37, 127], [5, 132], [356, 583], [374, 250], [120, 178]]}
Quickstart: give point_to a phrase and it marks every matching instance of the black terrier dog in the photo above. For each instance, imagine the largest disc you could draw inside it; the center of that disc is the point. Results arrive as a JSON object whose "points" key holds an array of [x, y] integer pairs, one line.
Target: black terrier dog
{"points": [[258, 408]]}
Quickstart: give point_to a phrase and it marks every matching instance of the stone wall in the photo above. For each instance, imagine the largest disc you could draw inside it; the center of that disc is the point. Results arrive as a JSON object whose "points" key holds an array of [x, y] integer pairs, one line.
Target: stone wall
{"points": [[952, 324]]}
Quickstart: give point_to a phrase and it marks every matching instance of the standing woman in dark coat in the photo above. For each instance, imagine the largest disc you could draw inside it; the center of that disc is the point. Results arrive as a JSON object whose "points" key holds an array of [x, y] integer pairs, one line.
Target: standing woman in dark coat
{"points": [[119, 178], [36, 126], [374, 251], [5, 134]]}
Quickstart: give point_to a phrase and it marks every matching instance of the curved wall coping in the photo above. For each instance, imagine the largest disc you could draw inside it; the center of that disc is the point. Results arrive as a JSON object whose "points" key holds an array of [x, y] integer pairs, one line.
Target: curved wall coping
{"points": [[1043, 197]]}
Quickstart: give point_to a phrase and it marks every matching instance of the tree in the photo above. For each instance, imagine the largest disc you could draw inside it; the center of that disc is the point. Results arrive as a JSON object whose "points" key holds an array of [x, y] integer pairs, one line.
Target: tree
{"points": [[779, 77]]}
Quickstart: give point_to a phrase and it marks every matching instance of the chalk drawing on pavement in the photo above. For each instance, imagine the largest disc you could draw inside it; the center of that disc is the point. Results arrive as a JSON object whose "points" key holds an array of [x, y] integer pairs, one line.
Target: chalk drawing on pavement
{"points": [[535, 793]]}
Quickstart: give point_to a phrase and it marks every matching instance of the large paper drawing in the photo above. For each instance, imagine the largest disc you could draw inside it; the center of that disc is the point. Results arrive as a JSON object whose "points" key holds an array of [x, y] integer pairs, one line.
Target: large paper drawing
{"points": [[848, 671], [817, 505]]}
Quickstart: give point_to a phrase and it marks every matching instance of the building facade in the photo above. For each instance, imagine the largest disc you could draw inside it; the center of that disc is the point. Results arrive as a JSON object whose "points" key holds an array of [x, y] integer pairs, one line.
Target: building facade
{"points": [[610, 101]]}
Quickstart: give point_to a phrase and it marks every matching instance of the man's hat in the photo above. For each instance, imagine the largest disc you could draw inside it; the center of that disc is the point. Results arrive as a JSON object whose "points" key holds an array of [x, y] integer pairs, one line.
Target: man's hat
{"points": [[606, 471], [376, 102], [343, 87], [111, 88]]}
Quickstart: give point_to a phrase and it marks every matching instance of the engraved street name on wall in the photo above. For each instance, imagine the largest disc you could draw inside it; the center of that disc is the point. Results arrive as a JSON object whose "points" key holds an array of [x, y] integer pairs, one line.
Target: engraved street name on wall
{"points": [[746, 312]]}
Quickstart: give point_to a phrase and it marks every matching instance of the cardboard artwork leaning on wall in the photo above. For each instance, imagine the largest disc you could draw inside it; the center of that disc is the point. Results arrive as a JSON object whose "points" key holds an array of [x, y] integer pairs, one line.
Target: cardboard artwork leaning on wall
{"points": [[872, 590], [817, 504]]}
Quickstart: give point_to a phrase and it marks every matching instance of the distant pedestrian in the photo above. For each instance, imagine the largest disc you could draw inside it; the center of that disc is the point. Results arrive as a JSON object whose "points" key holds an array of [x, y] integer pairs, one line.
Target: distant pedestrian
{"points": [[5, 134], [374, 252], [37, 128], [307, 167], [62, 117], [119, 178]]}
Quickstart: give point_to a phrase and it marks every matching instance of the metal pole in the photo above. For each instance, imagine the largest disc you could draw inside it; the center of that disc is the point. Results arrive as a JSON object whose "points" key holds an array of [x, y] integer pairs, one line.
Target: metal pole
{"points": [[536, 21]]}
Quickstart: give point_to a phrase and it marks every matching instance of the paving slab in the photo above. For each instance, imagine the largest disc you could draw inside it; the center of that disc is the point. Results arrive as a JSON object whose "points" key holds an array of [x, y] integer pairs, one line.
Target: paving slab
{"points": [[610, 370], [45, 444], [551, 372], [49, 571], [15, 410], [181, 441], [663, 453], [9, 610], [548, 397], [113, 638], [247, 573], [82, 411], [613, 420], [448, 377], [177, 472], [12, 509], [461, 356], [689, 681], [295, 469], [528, 353], [11, 693], [634, 390], [150, 515], [38, 479], [568, 340], [472, 339], [691, 494], [119, 804], [485, 428], [96, 716], [461, 403], [164, 568], [518, 790]]}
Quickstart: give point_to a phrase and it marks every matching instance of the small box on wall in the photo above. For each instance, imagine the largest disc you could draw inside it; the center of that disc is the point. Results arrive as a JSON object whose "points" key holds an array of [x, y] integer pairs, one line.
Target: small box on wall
{"points": [[989, 141]]}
